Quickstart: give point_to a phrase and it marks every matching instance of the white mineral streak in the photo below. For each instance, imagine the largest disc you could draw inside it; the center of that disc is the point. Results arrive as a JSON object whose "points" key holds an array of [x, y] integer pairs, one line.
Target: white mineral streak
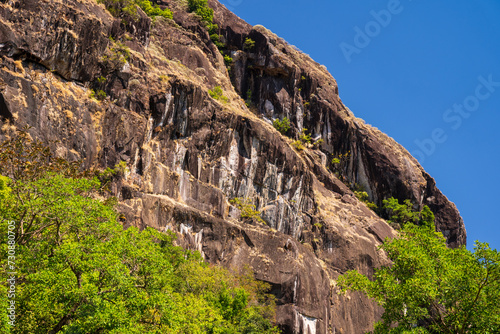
{"points": [[269, 108], [198, 242], [300, 118], [187, 230], [149, 129], [305, 324], [295, 289], [168, 98], [179, 156]]}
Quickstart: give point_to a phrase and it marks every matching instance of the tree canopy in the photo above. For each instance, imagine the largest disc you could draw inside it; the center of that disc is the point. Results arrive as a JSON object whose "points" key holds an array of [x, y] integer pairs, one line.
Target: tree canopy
{"points": [[430, 288], [79, 271]]}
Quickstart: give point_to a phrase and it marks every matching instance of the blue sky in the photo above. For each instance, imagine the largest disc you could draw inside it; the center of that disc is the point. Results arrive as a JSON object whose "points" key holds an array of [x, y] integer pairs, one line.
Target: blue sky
{"points": [[427, 73]]}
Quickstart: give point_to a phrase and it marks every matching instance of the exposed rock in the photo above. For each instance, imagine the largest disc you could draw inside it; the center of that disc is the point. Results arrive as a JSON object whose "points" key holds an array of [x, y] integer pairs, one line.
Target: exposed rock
{"points": [[188, 154]]}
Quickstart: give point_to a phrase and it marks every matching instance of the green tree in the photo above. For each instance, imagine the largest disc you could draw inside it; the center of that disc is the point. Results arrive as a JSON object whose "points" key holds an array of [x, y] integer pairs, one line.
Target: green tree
{"points": [[79, 271], [430, 288], [402, 214]]}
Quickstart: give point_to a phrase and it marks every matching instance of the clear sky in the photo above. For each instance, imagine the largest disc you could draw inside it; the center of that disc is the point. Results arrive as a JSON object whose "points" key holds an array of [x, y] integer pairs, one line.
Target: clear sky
{"points": [[427, 73]]}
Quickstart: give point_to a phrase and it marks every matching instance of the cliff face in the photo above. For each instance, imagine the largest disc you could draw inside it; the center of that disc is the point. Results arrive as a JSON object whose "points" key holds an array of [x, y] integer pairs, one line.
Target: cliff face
{"points": [[189, 154]]}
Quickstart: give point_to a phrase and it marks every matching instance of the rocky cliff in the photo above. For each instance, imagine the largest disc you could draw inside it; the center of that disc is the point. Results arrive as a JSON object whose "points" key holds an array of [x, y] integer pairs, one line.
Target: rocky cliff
{"points": [[189, 153]]}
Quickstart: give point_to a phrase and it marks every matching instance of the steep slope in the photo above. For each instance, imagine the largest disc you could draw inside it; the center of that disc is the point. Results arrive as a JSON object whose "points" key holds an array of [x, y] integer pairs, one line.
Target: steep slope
{"points": [[189, 153]]}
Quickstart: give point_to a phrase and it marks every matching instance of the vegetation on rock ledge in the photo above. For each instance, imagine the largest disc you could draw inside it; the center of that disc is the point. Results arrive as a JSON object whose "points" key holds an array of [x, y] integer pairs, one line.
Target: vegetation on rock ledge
{"points": [[247, 209], [402, 214], [119, 8], [282, 126], [218, 94], [206, 14]]}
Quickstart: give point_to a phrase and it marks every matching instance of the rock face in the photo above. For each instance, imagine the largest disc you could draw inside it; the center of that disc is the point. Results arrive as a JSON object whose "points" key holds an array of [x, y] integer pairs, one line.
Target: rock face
{"points": [[189, 154]]}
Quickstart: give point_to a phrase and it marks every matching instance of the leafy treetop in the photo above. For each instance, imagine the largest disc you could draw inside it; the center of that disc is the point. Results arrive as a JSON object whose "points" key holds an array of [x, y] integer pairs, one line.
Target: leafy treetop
{"points": [[430, 288]]}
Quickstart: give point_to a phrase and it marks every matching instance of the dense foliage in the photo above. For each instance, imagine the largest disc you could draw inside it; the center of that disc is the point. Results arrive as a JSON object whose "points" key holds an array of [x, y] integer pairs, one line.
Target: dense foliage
{"points": [[120, 8], [430, 288], [206, 14], [78, 271], [401, 214]]}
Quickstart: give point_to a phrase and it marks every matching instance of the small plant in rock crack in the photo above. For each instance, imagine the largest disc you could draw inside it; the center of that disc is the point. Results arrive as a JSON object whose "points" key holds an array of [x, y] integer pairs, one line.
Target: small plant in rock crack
{"points": [[218, 94], [305, 137], [317, 144], [249, 44], [247, 209], [298, 145], [248, 101], [99, 95], [282, 126], [228, 60], [339, 164], [363, 197], [303, 141]]}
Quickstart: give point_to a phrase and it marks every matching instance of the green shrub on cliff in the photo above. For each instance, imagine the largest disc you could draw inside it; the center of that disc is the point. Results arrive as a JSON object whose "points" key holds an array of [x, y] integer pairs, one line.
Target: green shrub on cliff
{"points": [[305, 137], [218, 94], [282, 126], [298, 145], [247, 209], [119, 8], [228, 60], [339, 165], [430, 288], [153, 10], [206, 14], [78, 271], [249, 44], [363, 197], [402, 214]]}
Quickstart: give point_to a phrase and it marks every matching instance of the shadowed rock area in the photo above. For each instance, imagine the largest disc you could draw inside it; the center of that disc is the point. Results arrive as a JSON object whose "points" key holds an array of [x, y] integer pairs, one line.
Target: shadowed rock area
{"points": [[189, 153]]}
